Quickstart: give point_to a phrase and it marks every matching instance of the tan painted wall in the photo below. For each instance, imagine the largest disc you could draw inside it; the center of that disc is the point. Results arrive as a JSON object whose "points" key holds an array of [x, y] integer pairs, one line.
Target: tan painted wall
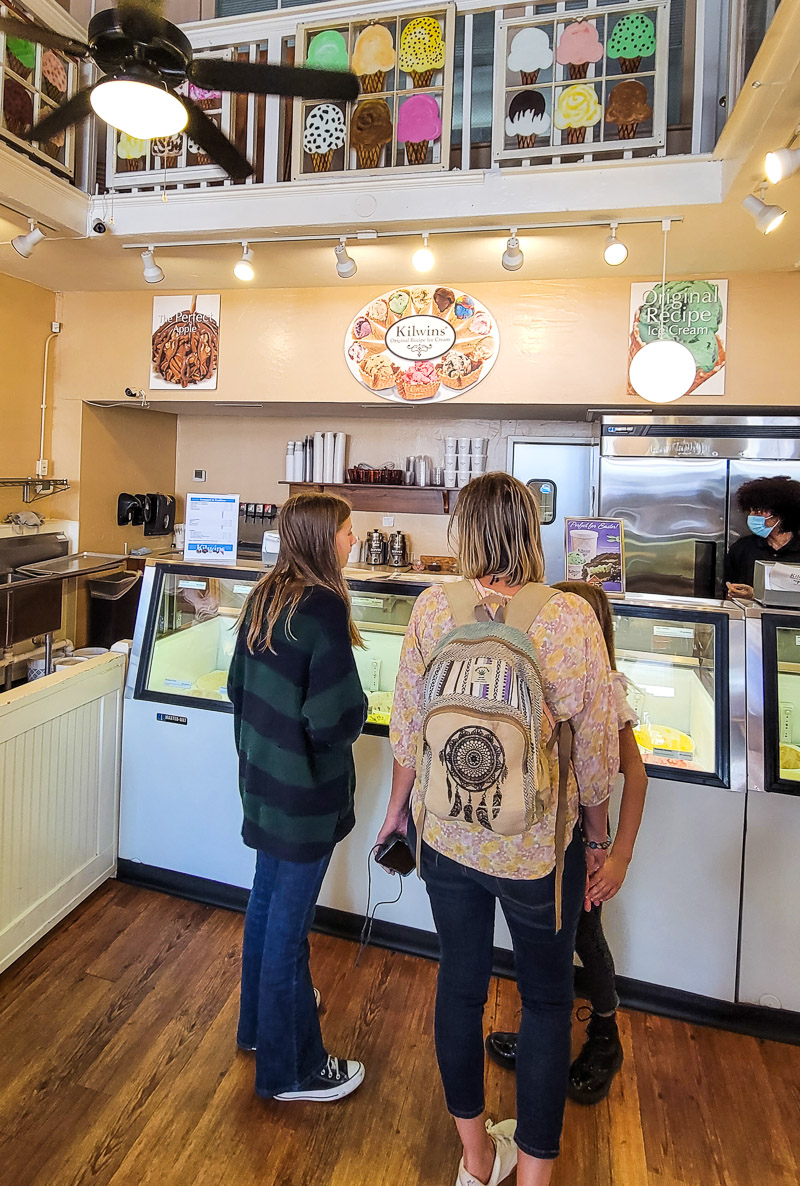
{"points": [[246, 455], [562, 343], [122, 449], [25, 315]]}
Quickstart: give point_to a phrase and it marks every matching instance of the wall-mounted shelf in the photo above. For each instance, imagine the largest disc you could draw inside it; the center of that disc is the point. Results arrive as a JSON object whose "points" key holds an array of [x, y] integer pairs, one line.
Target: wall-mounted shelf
{"points": [[35, 488], [413, 500]]}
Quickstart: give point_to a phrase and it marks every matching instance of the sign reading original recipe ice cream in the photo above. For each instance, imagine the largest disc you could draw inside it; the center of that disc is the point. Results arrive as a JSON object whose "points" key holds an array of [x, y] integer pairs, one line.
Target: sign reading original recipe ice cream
{"points": [[421, 343], [692, 312]]}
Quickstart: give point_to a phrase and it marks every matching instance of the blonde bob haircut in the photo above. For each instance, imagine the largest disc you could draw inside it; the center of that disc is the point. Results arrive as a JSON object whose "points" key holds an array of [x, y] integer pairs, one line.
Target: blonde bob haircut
{"points": [[496, 521]]}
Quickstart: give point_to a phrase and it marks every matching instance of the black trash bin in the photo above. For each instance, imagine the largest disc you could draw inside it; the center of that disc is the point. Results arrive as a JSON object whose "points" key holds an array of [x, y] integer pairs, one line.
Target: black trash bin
{"points": [[113, 602]]}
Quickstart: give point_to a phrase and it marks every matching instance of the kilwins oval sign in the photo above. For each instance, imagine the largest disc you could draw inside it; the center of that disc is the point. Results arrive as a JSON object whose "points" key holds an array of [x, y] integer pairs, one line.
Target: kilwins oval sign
{"points": [[423, 343]]}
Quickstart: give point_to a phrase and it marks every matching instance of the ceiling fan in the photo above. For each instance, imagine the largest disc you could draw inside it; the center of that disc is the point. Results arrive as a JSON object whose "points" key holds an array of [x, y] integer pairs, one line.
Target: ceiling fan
{"points": [[145, 59]]}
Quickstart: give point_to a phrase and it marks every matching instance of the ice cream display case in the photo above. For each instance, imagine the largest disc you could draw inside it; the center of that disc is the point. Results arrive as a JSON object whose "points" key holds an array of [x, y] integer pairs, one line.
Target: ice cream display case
{"points": [[381, 610]]}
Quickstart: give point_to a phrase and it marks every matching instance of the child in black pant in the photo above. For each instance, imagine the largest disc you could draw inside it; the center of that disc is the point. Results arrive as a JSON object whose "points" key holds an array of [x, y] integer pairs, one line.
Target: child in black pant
{"points": [[593, 1071]]}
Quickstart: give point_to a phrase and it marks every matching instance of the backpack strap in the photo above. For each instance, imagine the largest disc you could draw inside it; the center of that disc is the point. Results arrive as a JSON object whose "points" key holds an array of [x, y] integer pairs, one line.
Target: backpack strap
{"points": [[562, 739], [462, 599], [525, 606]]}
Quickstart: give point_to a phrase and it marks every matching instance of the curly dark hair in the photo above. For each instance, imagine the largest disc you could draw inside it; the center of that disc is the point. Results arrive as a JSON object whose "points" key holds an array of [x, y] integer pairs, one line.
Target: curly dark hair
{"points": [[781, 495]]}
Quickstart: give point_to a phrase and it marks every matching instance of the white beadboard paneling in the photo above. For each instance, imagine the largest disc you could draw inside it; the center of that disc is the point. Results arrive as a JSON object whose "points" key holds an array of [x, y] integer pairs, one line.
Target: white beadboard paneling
{"points": [[59, 796]]}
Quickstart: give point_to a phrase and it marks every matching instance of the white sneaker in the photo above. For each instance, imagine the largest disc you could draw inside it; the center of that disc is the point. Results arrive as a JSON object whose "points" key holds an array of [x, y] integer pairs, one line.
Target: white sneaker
{"points": [[505, 1155], [338, 1078]]}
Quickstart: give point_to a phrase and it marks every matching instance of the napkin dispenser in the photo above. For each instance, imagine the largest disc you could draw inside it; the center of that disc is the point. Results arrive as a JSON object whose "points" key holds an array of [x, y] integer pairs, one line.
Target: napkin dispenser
{"points": [[777, 584]]}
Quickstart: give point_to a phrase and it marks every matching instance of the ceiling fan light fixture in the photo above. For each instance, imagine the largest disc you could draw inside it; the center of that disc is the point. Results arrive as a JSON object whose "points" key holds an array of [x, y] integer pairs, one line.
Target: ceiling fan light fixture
{"points": [[243, 268], [150, 270], [141, 106], [24, 244]]}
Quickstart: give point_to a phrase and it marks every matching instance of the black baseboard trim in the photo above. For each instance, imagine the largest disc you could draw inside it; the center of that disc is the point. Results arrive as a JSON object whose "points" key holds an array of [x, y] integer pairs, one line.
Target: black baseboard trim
{"points": [[777, 1025]]}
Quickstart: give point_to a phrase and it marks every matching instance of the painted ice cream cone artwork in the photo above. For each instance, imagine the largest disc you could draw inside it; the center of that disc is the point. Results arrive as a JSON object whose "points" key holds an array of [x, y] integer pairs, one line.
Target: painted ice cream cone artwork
{"points": [[578, 48], [370, 130], [421, 344], [527, 118], [628, 107], [422, 50], [633, 38], [374, 56], [327, 51], [131, 153], [576, 110], [530, 52], [323, 133], [418, 123]]}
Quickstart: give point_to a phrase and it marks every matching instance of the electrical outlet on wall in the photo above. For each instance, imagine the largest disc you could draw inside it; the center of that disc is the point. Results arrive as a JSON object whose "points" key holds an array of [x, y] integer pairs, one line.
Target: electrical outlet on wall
{"points": [[388, 521]]}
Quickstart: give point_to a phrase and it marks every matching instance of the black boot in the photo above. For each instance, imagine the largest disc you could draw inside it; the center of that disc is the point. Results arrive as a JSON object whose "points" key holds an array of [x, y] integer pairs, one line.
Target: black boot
{"points": [[501, 1046], [593, 1071]]}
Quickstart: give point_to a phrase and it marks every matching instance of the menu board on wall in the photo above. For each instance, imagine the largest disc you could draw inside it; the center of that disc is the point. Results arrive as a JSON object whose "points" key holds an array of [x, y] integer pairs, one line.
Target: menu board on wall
{"points": [[595, 553], [692, 312], [185, 343], [424, 343]]}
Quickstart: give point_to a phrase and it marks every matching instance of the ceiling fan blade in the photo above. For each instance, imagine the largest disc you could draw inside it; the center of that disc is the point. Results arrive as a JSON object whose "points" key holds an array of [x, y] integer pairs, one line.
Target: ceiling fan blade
{"points": [[72, 112], [262, 79], [205, 132], [42, 36]]}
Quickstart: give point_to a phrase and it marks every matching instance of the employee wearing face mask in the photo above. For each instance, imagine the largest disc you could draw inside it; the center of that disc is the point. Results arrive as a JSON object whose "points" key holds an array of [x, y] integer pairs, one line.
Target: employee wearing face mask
{"points": [[772, 506]]}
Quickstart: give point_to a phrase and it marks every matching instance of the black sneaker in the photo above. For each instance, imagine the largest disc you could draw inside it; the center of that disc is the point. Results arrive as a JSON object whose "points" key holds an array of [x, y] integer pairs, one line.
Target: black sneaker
{"points": [[338, 1078], [593, 1071], [502, 1049]]}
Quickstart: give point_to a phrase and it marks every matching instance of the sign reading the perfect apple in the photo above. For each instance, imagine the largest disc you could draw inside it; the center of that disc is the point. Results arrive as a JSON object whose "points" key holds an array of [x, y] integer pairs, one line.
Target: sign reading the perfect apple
{"points": [[421, 343], [692, 312]]}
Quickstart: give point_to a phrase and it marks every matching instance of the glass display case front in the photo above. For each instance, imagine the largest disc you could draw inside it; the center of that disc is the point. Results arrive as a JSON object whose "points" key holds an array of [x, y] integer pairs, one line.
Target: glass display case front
{"points": [[677, 665], [191, 634], [781, 642], [381, 613]]}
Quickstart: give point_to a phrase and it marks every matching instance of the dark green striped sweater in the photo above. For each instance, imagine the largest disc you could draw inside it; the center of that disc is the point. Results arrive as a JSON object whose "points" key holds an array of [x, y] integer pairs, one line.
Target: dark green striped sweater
{"points": [[297, 713]]}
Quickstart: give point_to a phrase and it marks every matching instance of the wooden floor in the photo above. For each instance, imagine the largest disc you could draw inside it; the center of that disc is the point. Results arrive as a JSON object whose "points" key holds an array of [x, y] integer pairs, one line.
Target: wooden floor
{"points": [[118, 1065]]}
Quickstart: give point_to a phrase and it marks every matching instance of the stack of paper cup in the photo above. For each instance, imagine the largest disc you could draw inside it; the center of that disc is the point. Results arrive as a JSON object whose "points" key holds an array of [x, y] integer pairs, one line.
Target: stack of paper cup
{"points": [[478, 455], [450, 456], [463, 461]]}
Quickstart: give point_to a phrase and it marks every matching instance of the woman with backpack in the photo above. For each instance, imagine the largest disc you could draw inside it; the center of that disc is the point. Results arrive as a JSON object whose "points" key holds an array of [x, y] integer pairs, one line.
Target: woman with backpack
{"points": [[298, 706], [503, 726]]}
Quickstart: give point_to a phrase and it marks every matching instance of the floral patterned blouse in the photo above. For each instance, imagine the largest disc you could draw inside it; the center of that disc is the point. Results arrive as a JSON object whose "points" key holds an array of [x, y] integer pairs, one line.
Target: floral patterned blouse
{"points": [[577, 687]]}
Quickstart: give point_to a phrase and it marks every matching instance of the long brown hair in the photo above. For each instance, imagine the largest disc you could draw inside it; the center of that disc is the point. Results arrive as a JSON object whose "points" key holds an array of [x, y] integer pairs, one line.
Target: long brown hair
{"points": [[498, 530], [307, 525], [602, 610]]}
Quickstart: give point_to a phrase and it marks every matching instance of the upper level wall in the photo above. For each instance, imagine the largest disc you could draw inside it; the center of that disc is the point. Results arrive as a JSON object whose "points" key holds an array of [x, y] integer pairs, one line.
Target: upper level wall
{"points": [[561, 343]]}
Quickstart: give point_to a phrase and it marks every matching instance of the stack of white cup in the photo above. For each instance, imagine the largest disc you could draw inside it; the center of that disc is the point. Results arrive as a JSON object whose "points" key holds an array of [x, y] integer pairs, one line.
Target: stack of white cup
{"points": [[478, 455], [450, 462], [464, 458]]}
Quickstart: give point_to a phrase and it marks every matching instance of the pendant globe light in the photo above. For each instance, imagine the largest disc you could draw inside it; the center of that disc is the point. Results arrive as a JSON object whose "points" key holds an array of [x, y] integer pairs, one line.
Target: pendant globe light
{"points": [[664, 370]]}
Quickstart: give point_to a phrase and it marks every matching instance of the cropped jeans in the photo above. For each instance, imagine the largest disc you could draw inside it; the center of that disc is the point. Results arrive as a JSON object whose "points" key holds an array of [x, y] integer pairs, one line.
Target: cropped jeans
{"points": [[278, 1014], [463, 904]]}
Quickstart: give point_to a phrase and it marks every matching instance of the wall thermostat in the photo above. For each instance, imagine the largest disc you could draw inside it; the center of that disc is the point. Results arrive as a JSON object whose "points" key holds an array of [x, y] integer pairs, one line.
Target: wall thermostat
{"points": [[199, 475]]}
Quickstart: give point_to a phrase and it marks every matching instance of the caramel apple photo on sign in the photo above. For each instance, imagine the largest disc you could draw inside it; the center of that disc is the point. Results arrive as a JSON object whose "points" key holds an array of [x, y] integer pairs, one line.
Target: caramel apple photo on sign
{"points": [[185, 343], [421, 343]]}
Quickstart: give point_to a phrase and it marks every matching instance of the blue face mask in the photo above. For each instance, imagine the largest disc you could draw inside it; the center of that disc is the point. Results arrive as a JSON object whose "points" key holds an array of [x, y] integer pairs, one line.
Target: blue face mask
{"points": [[758, 525]]}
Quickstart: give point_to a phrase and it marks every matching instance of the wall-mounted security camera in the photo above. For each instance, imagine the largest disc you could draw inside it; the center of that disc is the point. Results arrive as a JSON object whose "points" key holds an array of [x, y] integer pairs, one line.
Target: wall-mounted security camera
{"points": [[99, 227], [131, 394]]}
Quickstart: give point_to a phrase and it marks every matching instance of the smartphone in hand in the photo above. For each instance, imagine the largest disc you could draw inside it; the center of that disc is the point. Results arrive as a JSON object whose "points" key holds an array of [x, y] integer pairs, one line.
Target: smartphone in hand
{"points": [[395, 856]]}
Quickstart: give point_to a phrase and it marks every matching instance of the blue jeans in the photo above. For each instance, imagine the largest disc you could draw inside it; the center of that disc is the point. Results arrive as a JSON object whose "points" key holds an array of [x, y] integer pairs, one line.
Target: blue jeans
{"points": [[463, 905], [277, 1012]]}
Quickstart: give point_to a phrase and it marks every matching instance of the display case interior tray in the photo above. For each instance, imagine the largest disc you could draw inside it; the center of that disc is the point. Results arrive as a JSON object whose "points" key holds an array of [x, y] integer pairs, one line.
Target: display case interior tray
{"points": [[79, 564]]}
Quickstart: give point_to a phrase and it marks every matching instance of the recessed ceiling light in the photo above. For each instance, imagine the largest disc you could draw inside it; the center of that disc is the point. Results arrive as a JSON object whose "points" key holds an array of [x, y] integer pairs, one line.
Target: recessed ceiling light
{"points": [[151, 271], [422, 259], [345, 265], [614, 250], [243, 268], [513, 259]]}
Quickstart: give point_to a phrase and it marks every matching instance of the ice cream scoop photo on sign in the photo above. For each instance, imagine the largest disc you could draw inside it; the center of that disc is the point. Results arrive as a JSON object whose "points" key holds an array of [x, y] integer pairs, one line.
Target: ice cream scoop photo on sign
{"points": [[530, 52], [579, 47], [527, 118], [418, 123], [373, 57], [422, 50]]}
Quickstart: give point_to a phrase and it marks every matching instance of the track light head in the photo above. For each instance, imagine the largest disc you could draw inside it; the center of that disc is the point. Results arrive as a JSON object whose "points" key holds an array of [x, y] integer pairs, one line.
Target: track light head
{"points": [[614, 250], [151, 271], [243, 268], [346, 266], [512, 259], [24, 244], [781, 163], [422, 259], [768, 218]]}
